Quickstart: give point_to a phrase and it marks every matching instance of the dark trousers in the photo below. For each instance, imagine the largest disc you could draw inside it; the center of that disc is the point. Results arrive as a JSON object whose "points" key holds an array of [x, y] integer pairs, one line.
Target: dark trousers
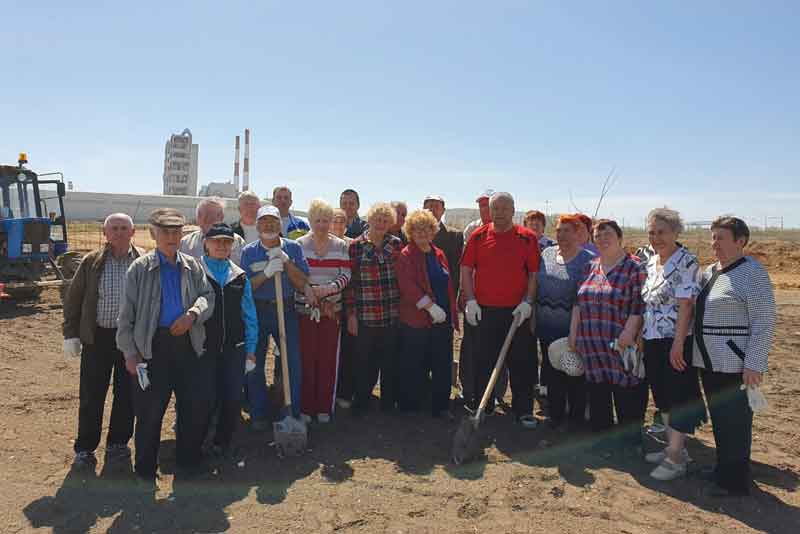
{"points": [[99, 362], [629, 403], [344, 384], [375, 354], [732, 422], [521, 358], [230, 379], [466, 362], [174, 367], [420, 346], [547, 371], [563, 388]]}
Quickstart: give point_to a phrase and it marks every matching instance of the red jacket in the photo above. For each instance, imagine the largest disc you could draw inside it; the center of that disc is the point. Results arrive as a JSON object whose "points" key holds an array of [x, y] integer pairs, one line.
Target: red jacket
{"points": [[415, 287]]}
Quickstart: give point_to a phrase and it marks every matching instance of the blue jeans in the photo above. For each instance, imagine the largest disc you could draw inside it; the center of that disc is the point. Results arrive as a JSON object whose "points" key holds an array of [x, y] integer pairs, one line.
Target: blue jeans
{"points": [[256, 380]]}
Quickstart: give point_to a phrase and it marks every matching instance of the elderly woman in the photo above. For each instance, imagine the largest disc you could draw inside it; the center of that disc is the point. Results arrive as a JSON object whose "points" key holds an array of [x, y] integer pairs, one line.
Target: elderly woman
{"points": [[535, 221], [733, 329], [427, 316], [373, 300], [609, 308], [328, 274], [668, 295], [339, 224], [561, 271]]}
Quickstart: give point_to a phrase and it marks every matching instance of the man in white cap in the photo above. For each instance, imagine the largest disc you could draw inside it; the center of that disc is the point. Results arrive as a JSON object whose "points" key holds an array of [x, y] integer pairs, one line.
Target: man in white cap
{"points": [[273, 255]]}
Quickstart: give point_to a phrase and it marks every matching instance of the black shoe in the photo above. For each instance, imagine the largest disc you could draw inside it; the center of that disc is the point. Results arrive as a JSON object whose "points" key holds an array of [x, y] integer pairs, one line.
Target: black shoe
{"points": [[84, 460], [116, 452], [718, 492]]}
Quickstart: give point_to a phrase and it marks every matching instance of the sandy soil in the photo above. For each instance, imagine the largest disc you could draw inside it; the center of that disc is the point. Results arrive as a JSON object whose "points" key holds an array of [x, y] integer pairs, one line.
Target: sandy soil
{"points": [[377, 474]]}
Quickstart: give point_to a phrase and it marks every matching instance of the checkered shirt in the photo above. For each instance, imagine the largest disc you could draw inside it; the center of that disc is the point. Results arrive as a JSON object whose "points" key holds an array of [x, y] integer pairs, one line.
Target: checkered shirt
{"points": [[111, 288], [373, 291], [734, 318]]}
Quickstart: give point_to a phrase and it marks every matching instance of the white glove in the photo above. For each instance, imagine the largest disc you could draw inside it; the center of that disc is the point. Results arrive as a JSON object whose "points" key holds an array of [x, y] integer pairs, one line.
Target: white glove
{"points": [[316, 314], [72, 347], [277, 252], [438, 315], [249, 365], [143, 375], [274, 265], [521, 312], [472, 312], [755, 398]]}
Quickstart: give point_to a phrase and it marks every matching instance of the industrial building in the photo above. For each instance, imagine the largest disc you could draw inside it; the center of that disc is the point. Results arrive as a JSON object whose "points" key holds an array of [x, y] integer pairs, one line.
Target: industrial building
{"points": [[180, 165]]}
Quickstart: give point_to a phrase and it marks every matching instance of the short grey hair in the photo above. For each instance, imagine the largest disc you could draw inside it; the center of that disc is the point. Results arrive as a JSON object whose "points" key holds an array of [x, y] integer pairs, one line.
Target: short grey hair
{"points": [[210, 201], [668, 216], [501, 196], [113, 216], [246, 195]]}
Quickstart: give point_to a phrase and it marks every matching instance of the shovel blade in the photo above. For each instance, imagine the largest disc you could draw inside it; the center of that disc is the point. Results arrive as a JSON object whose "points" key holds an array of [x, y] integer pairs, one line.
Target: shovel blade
{"points": [[466, 441], [291, 436]]}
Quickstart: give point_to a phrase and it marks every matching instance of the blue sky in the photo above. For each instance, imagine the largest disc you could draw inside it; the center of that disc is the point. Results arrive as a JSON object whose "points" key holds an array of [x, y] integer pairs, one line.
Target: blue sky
{"points": [[696, 103]]}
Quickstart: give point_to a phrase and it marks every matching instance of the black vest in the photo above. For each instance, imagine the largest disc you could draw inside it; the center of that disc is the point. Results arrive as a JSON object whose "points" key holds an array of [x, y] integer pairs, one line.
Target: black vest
{"points": [[225, 328]]}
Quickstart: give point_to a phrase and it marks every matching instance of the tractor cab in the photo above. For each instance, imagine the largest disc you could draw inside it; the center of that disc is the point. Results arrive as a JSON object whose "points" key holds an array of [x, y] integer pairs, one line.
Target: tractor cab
{"points": [[33, 229]]}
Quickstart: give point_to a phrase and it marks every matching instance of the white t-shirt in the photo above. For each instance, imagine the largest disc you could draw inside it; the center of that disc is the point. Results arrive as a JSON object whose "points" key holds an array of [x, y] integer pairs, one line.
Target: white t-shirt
{"points": [[284, 226], [250, 232]]}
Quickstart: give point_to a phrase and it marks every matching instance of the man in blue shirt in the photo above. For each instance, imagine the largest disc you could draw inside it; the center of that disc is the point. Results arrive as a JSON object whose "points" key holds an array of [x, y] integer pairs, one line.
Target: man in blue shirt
{"points": [[166, 301], [292, 226], [273, 255]]}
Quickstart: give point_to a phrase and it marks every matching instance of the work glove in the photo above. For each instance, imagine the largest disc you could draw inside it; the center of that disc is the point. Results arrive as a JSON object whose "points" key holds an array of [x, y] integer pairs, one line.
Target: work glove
{"points": [[72, 347], [250, 363], [438, 315], [472, 312], [274, 265], [315, 315], [521, 312], [277, 252], [143, 375]]}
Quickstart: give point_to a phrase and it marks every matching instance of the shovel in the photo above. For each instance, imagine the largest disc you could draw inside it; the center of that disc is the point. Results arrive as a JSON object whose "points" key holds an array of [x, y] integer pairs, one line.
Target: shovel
{"points": [[467, 439], [291, 434]]}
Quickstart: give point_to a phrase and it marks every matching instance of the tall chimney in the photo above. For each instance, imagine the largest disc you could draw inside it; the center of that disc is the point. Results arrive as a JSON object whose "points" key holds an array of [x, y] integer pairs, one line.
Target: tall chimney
{"points": [[246, 169], [236, 167]]}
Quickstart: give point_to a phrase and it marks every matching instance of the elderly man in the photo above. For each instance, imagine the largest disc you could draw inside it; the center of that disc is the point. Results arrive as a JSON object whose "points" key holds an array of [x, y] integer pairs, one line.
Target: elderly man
{"points": [[90, 319], [160, 331], [248, 210], [292, 227], [498, 278], [350, 202], [273, 255], [400, 212], [450, 240], [210, 211]]}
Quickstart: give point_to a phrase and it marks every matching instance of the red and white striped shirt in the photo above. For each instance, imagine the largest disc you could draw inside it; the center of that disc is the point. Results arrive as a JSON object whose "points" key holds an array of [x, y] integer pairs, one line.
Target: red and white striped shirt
{"points": [[331, 267]]}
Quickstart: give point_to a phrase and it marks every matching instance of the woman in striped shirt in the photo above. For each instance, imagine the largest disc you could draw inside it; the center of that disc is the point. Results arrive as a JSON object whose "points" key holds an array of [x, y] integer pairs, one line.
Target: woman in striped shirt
{"points": [[329, 274]]}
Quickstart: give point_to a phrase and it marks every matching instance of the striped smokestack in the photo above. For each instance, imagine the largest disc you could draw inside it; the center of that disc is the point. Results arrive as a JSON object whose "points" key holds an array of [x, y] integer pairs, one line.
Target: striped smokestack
{"points": [[236, 167], [246, 169]]}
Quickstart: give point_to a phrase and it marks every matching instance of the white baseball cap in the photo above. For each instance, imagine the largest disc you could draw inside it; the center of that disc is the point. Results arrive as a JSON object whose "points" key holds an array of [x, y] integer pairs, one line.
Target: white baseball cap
{"points": [[271, 211]]}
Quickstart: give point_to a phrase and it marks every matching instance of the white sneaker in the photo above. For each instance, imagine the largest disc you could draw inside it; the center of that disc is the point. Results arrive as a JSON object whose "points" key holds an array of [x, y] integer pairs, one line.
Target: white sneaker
{"points": [[324, 418], [669, 470], [305, 418], [660, 456]]}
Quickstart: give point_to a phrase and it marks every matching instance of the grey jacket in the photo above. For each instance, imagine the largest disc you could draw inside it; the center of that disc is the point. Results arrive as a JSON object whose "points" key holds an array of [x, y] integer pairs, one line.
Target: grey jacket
{"points": [[141, 304]]}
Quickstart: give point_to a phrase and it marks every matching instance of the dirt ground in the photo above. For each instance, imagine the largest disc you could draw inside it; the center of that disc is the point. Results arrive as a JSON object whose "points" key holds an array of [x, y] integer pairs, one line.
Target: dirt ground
{"points": [[379, 473]]}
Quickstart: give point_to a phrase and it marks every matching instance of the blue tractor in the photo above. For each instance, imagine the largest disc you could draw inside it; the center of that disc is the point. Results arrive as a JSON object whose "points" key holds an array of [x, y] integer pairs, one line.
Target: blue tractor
{"points": [[33, 233]]}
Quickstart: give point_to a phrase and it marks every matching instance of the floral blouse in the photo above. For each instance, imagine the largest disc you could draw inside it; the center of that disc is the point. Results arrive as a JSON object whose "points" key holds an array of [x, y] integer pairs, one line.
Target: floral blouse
{"points": [[676, 279]]}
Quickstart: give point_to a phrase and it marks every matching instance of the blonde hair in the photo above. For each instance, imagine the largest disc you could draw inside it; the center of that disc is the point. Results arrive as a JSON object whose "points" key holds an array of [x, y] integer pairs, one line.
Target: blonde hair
{"points": [[419, 220], [382, 208], [319, 208], [339, 212]]}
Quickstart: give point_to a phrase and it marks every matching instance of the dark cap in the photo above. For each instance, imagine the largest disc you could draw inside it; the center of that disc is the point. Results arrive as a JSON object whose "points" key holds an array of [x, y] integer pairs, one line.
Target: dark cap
{"points": [[220, 231], [167, 218]]}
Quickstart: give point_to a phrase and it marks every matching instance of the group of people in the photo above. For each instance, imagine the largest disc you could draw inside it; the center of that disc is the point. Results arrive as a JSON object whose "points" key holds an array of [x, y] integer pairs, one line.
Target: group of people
{"points": [[376, 301]]}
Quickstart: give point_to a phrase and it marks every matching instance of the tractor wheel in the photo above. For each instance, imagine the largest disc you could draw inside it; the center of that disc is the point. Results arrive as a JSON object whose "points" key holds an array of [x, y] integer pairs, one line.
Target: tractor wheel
{"points": [[68, 264]]}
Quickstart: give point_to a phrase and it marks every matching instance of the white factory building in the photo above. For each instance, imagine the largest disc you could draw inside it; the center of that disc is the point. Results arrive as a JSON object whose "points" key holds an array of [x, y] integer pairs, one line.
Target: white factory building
{"points": [[180, 165]]}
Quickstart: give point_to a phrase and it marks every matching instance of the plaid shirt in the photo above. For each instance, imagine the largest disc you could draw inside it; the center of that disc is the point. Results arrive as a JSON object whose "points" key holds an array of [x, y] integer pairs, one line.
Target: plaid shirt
{"points": [[373, 291], [111, 287]]}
